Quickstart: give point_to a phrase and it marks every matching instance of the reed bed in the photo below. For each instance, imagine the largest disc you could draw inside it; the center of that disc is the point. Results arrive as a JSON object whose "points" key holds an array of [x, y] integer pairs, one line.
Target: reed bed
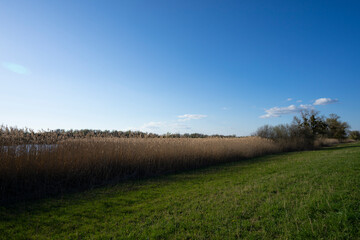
{"points": [[33, 171]]}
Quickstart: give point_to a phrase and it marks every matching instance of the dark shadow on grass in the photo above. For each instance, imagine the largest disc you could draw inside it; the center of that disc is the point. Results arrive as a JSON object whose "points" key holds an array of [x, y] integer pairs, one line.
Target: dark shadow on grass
{"points": [[340, 147]]}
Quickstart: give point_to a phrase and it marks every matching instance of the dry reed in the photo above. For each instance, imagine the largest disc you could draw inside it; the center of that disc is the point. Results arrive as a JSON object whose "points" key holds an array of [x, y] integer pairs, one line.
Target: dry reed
{"points": [[32, 171]]}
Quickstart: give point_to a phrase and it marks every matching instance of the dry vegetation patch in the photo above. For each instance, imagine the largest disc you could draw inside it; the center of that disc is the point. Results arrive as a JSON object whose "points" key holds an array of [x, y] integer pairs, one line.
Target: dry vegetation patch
{"points": [[29, 171]]}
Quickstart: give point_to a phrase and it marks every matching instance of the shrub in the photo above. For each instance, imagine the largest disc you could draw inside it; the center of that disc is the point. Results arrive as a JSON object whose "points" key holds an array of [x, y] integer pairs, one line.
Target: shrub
{"points": [[355, 135]]}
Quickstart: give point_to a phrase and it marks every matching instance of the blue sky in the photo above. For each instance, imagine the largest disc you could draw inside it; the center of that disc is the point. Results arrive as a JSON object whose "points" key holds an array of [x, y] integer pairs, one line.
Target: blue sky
{"points": [[224, 67]]}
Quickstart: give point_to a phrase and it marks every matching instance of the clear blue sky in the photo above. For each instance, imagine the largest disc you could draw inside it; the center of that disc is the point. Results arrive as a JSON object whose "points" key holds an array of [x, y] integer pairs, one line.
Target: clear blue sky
{"points": [[223, 67]]}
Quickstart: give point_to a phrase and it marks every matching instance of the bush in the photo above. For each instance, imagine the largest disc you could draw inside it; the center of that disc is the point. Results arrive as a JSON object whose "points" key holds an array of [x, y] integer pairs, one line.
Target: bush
{"points": [[336, 128], [355, 135], [308, 131]]}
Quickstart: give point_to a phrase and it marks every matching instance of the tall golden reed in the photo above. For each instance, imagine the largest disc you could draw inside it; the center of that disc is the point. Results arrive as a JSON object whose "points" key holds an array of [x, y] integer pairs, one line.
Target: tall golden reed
{"points": [[37, 170]]}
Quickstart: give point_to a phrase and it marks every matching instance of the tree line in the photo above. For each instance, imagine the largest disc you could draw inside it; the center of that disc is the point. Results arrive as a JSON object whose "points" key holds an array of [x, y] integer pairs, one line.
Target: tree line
{"points": [[306, 128], [309, 127], [16, 136]]}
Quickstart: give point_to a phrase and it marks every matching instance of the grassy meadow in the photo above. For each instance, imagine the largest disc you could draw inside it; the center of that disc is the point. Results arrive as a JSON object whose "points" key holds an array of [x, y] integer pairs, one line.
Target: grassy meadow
{"points": [[298, 195]]}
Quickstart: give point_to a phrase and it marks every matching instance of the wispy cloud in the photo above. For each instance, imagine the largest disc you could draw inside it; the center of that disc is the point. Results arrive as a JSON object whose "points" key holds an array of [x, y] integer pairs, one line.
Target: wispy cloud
{"points": [[173, 126], [225, 108], [279, 111], [179, 126], [153, 125], [163, 127], [289, 99], [325, 101], [188, 117], [16, 68]]}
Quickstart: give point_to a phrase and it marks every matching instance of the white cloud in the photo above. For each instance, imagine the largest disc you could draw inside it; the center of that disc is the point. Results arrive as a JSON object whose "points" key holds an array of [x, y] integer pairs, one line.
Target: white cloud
{"points": [[153, 125], [179, 126], [289, 99], [306, 106], [16, 68], [163, 127], [325, 101], [225, 108], [278, 111], [172, 126], [187, 117]]}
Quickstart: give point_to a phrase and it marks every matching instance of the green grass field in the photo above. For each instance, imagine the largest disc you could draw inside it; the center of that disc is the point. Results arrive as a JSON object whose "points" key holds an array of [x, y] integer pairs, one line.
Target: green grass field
{"points": [[300, 195]]}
